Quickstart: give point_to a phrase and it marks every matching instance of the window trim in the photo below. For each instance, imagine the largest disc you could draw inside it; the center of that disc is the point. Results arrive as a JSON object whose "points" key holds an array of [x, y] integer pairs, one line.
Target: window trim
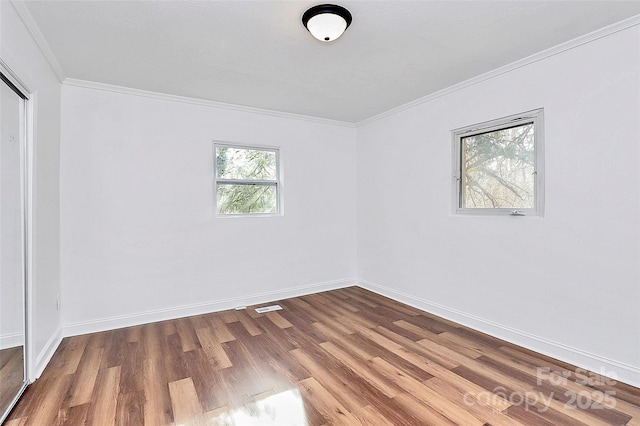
{"points": [[537, 118], [277, 182]]}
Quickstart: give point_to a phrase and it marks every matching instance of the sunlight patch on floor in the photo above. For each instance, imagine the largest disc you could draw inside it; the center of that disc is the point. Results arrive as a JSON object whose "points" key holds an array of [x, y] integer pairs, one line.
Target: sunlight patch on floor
{"points": [[281, 409]]}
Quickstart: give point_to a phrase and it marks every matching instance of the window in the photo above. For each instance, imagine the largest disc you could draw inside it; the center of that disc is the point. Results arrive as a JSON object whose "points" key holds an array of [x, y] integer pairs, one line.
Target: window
{"points": [[498, 166], [247, 180]]}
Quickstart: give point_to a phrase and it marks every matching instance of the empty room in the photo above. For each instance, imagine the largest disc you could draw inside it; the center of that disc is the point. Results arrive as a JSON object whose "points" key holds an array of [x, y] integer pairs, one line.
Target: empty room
{"points": [[302, 213]]}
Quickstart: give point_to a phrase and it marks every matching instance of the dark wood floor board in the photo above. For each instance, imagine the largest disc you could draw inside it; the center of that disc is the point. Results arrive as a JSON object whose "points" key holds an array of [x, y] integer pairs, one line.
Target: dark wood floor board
{"points": [[488, 413], [417, 332], [22, 421], [358, 305], [485, 381], [157, 406], [422, 350], [134, 334], [281, 364], [204, 320], [173, 359], [374, 350], [423, 413], [336, 323], [84, 381], [74, 352], [450, 341], [11, 374], [103, 409], [115, 349], [44, 405], [216, 354], [378, 300], [536, 416], [592, 401], [389, 407], [131, 379], [9, 355], [577, 414], [361, 317], [188, 339], [326, 403], [449, 409], [168, 327], [220, 329], [75, 415], [206, 380], [130, 408], [345, 356], [368, 415], [229, 316], [434, 326], [316, 299], [247, 322], [304, 335], [353, 401], [390, 314], [239, 331], [355, 294], [537, 358], [337, 312], [363, 369], [364, 349], [456, 358], [339, 299], [184, 401], [365, 318], [488, 365], [277, 335], [152, 340]]}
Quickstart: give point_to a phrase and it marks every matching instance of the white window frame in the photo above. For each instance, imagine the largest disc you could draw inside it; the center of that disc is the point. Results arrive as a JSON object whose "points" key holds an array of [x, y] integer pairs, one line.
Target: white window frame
{"points": [[277, 182], [537, 118]]}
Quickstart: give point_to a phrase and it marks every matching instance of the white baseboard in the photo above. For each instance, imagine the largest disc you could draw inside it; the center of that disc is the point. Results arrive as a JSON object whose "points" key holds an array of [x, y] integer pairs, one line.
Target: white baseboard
{"points": [[11, 340], [46, 354], [616, 370], [111, 323]]}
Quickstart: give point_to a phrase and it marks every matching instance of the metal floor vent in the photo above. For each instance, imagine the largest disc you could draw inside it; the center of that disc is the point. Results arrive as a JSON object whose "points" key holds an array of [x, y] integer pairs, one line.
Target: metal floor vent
{"points": [[268, 309]]}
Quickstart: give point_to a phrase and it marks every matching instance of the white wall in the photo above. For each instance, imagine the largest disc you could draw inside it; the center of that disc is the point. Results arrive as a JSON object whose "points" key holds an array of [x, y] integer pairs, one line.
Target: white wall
{"points": [[140, 241], [567, 284], [20, 52]]}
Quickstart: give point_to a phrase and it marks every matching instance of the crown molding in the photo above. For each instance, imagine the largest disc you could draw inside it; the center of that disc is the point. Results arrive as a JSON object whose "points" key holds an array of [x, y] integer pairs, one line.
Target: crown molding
{"points": [[38, 37], [571, 44], [24, 14], [204, 102]]}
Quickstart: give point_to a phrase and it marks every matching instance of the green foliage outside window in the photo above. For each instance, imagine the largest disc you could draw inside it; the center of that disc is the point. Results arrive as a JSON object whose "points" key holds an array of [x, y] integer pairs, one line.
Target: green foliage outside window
{"points": [[499, 168], [246, 180]]}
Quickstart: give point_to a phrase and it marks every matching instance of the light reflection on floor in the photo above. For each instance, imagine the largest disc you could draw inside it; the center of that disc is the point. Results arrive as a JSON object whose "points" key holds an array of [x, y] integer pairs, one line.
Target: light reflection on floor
{"points": [[281, 409]]}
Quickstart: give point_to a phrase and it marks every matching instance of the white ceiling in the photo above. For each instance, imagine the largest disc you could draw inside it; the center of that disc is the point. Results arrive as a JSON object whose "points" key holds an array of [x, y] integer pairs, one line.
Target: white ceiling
{"points": [[258, 54]]}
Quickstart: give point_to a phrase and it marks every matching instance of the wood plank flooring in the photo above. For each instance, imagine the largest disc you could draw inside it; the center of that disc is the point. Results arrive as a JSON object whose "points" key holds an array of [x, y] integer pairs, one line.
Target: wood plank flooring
{"points": [[343, 357], [11, 375]]}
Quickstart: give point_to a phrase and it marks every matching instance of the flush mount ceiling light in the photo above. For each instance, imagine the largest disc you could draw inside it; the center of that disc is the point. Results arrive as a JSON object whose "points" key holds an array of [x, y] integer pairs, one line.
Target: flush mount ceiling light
{"points": [[326, 22]]}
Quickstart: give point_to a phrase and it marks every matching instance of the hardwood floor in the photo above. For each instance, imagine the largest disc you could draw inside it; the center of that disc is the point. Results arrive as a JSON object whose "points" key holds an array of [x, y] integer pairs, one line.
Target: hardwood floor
{"points": [[11, 375], [341, 357]]}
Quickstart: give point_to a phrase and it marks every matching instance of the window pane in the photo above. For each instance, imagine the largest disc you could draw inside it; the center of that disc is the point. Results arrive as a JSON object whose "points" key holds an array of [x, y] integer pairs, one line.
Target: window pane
{"points": [[243, 199], [249, 164], [498, 168]]}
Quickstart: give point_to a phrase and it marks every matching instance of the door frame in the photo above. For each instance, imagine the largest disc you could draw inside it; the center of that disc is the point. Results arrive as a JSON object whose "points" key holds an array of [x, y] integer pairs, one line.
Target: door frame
{"points": [[10, 78]]}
